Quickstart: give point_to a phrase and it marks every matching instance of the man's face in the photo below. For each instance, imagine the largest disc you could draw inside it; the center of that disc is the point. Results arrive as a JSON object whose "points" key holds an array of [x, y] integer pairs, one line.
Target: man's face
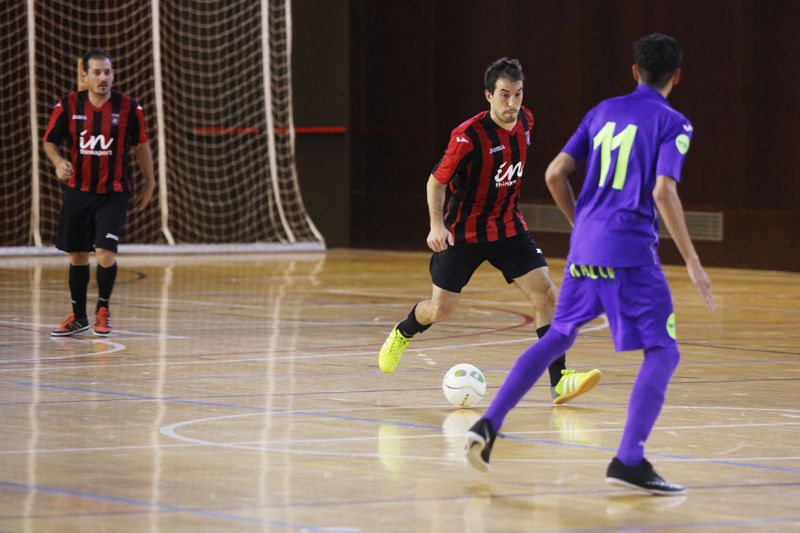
{"points": [[99, 77], [505, 101]]}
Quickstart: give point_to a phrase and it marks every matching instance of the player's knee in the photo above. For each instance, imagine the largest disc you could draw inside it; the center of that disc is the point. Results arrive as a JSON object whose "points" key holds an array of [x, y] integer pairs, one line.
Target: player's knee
{"points": [[667, 356], [557, 341], [439, 312], [79, 258], [545, 301], [551, 295], [105, 258]]}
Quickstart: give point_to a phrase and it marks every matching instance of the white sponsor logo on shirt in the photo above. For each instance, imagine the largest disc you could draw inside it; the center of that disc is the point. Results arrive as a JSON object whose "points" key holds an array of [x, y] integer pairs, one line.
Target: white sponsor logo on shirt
{"points": [[509, 176], [89, 146]]}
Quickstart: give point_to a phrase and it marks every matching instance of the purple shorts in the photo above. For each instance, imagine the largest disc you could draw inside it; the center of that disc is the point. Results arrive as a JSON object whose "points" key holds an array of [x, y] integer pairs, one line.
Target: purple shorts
{"points": [[636, 301]]}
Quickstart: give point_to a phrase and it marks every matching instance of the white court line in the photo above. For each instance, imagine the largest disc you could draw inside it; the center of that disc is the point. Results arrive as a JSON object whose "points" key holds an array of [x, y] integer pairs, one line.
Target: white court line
{"points": [[293, 357], [114, 347], [116, 331], [662, 428], [171, 431], [300, 355]]}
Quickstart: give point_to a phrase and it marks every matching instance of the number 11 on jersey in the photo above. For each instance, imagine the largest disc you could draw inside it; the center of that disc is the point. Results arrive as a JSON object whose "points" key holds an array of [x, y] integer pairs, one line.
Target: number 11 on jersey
{"points": [[607, 141]]}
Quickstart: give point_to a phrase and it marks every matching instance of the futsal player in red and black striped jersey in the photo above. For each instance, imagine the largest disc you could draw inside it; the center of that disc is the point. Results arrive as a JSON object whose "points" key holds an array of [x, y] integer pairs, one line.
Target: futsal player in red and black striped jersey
{"points": [[483, 167], [101, 127]]}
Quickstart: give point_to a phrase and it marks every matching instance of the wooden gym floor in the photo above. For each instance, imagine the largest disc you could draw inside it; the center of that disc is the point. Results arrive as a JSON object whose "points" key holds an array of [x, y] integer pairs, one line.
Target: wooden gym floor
{"points": [[241, 393]]}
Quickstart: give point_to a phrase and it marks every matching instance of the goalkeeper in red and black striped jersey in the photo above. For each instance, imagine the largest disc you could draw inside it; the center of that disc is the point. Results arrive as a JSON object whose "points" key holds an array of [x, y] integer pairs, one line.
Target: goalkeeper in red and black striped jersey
{"points": [[101, 127]]}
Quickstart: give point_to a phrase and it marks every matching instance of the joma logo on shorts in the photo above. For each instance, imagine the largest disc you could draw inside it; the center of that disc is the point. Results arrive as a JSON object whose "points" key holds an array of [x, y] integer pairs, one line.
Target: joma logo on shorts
{"points": [[112, 236]]}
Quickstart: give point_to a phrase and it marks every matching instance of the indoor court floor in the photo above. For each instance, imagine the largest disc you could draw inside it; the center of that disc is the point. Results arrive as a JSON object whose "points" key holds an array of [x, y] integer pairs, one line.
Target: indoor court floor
{"points": [[241, 393]]}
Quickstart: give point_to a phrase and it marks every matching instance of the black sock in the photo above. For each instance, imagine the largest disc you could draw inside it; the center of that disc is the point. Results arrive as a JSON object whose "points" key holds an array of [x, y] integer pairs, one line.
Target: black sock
{"points": [[105, 284], [556, 366], [410, 327], [78, 283]]}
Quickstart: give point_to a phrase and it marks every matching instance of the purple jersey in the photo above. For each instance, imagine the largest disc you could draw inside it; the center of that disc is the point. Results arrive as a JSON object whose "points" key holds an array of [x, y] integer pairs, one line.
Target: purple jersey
{"points": [[626, 142]]}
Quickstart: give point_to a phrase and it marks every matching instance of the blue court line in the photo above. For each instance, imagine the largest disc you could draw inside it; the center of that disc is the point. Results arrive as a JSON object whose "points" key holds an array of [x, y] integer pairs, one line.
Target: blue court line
{"points": [[161, 507], [653, 454], [322, 414], [454, 498]]}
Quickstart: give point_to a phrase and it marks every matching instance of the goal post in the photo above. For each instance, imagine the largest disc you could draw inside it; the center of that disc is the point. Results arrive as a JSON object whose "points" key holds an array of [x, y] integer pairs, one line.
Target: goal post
{"points": [[215, 84]]}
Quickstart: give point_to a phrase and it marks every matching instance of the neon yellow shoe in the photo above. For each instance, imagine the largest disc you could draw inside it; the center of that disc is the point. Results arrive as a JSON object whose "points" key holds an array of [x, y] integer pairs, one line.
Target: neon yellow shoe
{"points": [[392, 350], [573, 383]]}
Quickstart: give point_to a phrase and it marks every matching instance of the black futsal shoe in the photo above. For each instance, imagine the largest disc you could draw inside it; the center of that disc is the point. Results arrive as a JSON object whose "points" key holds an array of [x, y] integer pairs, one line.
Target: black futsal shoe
{"points": [[641, 477], [478, 448]]}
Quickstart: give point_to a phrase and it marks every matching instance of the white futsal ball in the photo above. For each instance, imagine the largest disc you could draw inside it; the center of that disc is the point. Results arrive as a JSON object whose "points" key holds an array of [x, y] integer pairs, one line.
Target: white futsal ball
{"points": [[464, 385]]}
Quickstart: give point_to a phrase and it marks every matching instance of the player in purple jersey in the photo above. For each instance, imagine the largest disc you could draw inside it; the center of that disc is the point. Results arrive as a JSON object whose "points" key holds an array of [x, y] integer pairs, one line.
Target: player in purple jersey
{"points": [[634, 147]]}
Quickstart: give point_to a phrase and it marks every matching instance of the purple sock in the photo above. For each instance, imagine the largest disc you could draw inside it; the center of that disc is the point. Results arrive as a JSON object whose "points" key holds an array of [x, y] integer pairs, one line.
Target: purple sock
{"points": [[525, 372], [647, 397]]}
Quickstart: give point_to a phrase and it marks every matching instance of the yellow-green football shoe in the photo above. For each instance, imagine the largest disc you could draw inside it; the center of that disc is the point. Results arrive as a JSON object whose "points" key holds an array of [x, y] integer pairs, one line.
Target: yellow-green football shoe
{"points": [[392, 350], [573, 383]]}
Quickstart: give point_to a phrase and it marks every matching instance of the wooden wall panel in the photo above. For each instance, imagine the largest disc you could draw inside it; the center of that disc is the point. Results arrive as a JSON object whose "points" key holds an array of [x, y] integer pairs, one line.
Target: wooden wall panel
{"points": [[421, 64]]}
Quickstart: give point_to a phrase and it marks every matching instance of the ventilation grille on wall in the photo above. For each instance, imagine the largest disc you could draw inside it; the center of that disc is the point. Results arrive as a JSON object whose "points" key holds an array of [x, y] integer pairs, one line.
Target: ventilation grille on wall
{"points": [[703, 225]]}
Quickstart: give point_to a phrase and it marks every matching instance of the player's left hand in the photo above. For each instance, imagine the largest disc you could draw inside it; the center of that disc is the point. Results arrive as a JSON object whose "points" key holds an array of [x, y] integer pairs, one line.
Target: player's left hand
{"points": [[145, 196], [701, 281]]}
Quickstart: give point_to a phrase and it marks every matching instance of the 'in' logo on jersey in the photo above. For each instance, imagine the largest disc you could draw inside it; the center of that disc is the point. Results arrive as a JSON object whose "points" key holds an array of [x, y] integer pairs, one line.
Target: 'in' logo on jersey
{"points": [[508, 178]]}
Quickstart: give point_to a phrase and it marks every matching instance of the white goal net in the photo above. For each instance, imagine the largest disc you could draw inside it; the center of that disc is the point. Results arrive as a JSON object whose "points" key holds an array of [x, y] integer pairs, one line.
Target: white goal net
{"points": [[214, 80]]}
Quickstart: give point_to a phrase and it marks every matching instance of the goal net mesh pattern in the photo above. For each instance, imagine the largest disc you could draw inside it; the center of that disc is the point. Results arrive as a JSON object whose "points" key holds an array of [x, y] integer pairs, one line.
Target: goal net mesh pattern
{"points": [[214, 80]]}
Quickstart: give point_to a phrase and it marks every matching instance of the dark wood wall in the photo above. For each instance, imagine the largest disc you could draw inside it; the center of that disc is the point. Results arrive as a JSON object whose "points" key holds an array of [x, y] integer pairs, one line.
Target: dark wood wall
{"points": [[416, 72]]}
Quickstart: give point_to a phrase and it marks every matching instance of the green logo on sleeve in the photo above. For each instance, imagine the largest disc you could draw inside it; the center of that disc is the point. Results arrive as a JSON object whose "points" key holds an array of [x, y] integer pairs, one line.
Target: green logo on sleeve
{"points": [[671, 326], [682, 142]]}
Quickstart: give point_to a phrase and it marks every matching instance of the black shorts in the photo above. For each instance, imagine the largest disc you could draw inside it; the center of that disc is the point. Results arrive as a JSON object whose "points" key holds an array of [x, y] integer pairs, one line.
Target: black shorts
{"points": [[452, 269], [91, 220]]}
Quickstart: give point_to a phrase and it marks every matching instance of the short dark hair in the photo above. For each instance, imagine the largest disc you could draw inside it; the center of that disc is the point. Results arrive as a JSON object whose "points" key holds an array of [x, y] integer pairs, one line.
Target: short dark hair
{"points": [[502, 68], [94, 53], [658, 56]]}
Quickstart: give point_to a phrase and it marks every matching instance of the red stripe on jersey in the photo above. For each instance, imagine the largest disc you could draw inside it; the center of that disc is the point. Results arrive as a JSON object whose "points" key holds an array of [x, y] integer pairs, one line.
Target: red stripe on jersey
{"points": [[102, 179], [85, 172], [458, 148], [72, 108], [58, 111], [485, 177], [139, 115], [124, 117], [484, 188], [508, 217]]}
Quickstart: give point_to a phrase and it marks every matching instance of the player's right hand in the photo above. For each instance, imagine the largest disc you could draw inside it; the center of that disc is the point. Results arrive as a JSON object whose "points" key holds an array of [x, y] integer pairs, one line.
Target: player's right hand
{"points": [[63, 170], [439, 238]]}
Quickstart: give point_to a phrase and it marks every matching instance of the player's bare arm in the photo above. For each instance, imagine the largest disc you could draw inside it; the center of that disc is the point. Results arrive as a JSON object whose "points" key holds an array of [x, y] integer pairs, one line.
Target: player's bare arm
{"points": [[63, 167], [145, 159], [439, 237], [671, 209], [557, 178]]}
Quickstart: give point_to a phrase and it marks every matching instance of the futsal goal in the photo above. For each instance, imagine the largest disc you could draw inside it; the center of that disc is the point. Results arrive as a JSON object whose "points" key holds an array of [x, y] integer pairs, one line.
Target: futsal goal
{"points": [[214, 79]]}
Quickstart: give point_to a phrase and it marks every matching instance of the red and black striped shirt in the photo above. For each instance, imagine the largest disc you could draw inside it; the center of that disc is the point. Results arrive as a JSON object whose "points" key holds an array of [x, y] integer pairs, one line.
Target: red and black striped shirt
{"points": [[483, 165], [100, 139]]}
